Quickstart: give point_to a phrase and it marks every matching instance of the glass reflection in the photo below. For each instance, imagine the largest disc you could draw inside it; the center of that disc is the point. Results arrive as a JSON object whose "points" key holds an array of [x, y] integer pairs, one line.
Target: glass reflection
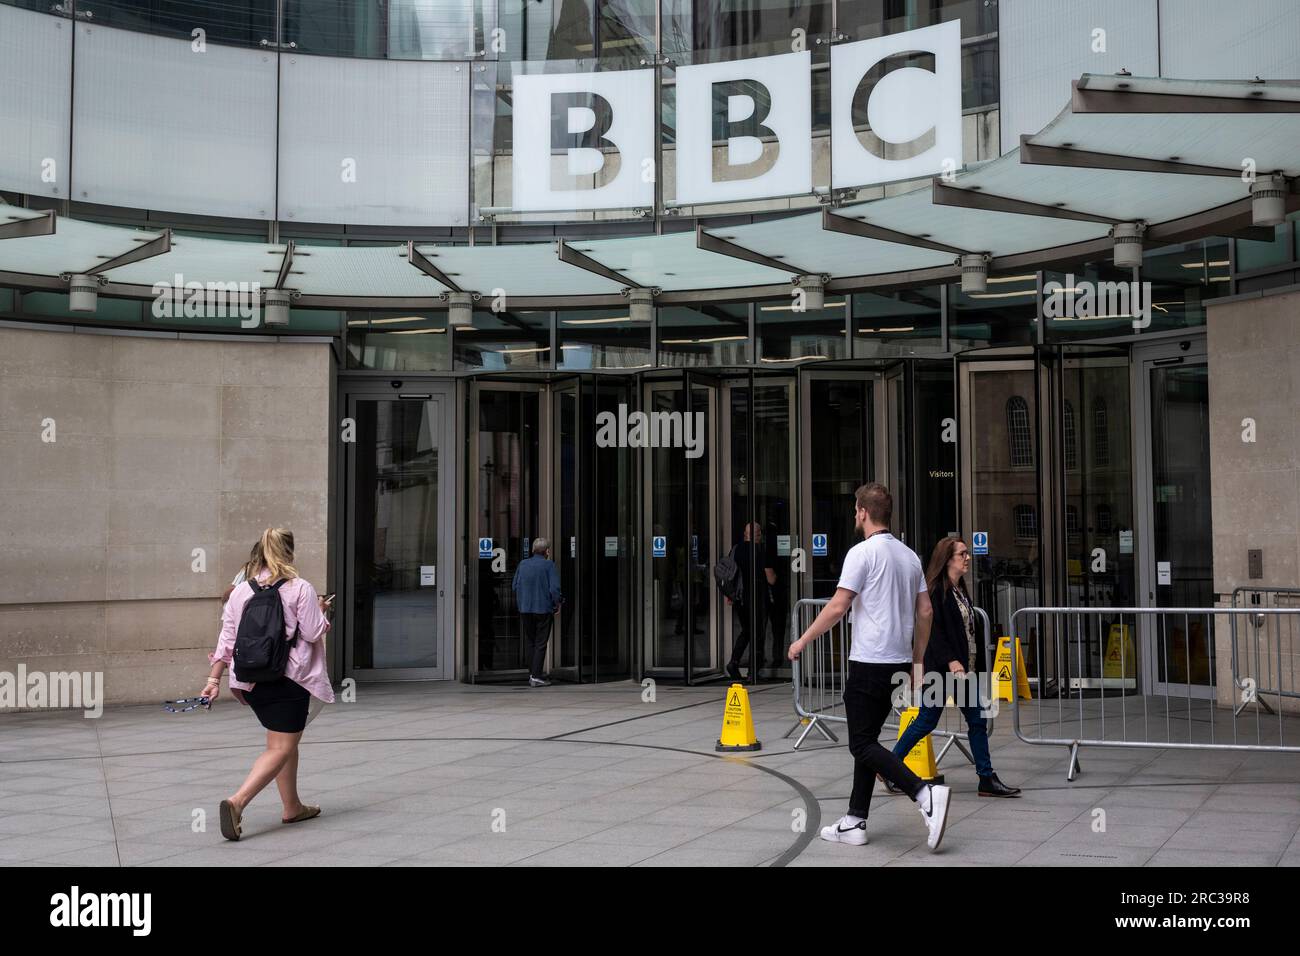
{"points": [[499, 341], [785, 335]]}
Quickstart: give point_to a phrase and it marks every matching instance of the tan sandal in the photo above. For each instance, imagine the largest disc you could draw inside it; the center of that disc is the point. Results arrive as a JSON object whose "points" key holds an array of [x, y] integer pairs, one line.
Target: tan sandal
{"points": [[231, 821], [306, 814]]}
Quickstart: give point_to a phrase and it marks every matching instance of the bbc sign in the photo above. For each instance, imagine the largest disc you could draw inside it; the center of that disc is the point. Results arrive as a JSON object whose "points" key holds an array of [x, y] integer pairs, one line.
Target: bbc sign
{"points": [[572, 130]]}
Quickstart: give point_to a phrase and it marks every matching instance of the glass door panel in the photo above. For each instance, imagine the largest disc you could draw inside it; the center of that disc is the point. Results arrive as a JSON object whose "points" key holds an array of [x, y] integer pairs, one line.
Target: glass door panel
{"points": [[566, 652], [1003, 459], [705, 633], [683, 608], [399, 525], [1177, 564], [612, 543], [666, 545], [506, 476], [1100, 563], [760, 474], [840, 457]]}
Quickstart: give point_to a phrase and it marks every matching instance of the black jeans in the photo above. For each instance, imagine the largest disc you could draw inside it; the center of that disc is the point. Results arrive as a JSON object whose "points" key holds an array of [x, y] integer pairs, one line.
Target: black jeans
{"points": [[536, 631], [867, 694], [742, 639]]}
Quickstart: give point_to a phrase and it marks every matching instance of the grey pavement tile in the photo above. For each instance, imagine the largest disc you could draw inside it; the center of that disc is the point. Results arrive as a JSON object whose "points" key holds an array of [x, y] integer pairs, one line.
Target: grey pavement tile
{"points": [[390, 845], [773, 840], [880, 849], [552, 828], [1276, 823], [979, 828], [588, 854], [33, 822], [644, 834], [1187, 798], [704, 817], [104, 854], [1050, 854], [136, 853], [690, 855], [1081, 834], [315, 858], [1119, 815], [1259, 842], [492, 848], [1257, 798], [18, 849], [966, 852], [1020, 809], [1213, 858]]}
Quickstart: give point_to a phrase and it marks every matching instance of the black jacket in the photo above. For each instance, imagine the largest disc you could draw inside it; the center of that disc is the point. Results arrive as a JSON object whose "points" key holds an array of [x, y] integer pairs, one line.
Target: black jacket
{"points": [[948, 635]]}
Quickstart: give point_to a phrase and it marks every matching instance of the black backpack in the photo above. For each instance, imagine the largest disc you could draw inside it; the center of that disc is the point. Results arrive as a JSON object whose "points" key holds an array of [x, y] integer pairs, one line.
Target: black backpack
{"points": [[261, 651], [728, 577]]}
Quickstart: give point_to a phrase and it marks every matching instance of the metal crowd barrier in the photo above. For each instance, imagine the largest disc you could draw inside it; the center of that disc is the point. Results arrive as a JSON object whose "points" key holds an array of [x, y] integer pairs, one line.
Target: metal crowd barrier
{"points": [[1107, 700], [1265, 671], [820, 670]]}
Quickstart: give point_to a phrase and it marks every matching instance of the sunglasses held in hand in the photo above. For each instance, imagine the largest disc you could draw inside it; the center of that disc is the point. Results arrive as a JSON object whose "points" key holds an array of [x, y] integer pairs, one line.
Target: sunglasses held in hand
{"points": [[186, 704]]}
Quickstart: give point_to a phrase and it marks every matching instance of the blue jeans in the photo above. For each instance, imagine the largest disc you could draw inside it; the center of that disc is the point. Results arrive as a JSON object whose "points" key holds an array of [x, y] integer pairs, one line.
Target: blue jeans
{"points": [[928, 719]]}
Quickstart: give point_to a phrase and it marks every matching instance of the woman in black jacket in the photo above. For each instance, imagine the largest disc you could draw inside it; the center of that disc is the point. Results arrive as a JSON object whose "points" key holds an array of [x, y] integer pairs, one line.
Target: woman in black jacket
{"points": [[956, 647]]}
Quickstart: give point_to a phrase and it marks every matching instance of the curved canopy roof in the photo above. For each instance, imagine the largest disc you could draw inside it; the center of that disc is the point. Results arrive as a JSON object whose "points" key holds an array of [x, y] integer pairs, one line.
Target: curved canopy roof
{"points": [[1169, 153]]}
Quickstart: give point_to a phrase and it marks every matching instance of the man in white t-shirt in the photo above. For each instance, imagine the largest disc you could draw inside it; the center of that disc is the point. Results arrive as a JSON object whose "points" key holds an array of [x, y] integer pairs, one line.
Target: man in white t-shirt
{"points": [[883, 583]]}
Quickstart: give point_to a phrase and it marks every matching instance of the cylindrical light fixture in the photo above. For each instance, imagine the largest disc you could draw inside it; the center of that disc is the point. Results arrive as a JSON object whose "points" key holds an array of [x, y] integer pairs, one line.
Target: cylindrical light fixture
{"points": [[814, 291], [275, 307], [83, 293], [1268, 201], [460, 309], [1128, 244], [641, 304], [974, 271]]}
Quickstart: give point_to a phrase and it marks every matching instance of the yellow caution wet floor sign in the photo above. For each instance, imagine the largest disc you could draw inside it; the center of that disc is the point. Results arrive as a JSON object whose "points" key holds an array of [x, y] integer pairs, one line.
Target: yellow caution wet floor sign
{"points": [[1002, 672], [738, 722], [920, 759], [1120, 666]]}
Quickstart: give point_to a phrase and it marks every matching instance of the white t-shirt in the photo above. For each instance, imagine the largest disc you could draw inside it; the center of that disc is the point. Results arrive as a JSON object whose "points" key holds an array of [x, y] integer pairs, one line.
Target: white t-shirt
{"points": [[886, 576]]}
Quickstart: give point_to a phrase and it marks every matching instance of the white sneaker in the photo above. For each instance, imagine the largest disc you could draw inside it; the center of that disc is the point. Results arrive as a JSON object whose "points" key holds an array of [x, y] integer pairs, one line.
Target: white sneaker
{"points": [[932, 801], [841, 831]]}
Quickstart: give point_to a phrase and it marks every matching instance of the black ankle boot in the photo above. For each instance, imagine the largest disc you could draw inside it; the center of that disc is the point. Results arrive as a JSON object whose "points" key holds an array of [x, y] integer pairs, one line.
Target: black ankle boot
{"points": [[991, 786]]}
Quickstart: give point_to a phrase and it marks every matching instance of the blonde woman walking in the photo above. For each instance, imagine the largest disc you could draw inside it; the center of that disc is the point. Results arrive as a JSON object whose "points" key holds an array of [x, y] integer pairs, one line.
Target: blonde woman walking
{"points": [[276, 654]]}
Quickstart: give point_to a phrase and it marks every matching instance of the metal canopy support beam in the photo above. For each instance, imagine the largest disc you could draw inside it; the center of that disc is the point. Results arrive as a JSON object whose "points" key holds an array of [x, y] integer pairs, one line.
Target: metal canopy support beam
{"points": [[148, 248], [723, 247], [856, 227], [1085, 100], [422, 262], [16, 228], [286, 264], [1036, 154], [1232, 218], [583, 261], [944, 195]]}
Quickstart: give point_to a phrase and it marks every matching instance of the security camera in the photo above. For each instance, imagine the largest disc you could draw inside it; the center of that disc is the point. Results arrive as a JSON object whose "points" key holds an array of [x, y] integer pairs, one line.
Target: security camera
{"points": [[1184, 345], [396, 383]]}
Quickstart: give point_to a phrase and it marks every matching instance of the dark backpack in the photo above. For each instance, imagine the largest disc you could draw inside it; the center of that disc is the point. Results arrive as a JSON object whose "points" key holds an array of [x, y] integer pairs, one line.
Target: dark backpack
{"points": [[728, 577], [261, 651]]}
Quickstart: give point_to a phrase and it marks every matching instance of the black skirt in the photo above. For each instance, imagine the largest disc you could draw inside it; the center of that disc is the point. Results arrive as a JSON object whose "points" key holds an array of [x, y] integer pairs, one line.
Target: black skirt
{"points": [[280, 705]]}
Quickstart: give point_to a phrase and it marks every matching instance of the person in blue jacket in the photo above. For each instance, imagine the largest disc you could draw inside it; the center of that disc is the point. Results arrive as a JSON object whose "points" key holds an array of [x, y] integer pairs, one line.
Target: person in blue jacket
{"points": [[538, 597]]}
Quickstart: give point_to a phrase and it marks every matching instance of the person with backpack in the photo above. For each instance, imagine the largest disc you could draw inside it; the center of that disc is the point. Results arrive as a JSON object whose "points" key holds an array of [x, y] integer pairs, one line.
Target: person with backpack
{"points": [[735, 575], [272, 631]]}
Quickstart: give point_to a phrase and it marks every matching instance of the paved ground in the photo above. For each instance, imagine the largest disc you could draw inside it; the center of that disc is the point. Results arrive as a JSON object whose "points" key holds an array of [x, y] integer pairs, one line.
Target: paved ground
{"points": [[418, 774]]}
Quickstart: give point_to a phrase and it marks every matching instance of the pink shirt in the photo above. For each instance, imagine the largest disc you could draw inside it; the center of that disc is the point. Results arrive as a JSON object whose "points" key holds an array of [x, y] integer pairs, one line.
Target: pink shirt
{"points": [[306, 666]]}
